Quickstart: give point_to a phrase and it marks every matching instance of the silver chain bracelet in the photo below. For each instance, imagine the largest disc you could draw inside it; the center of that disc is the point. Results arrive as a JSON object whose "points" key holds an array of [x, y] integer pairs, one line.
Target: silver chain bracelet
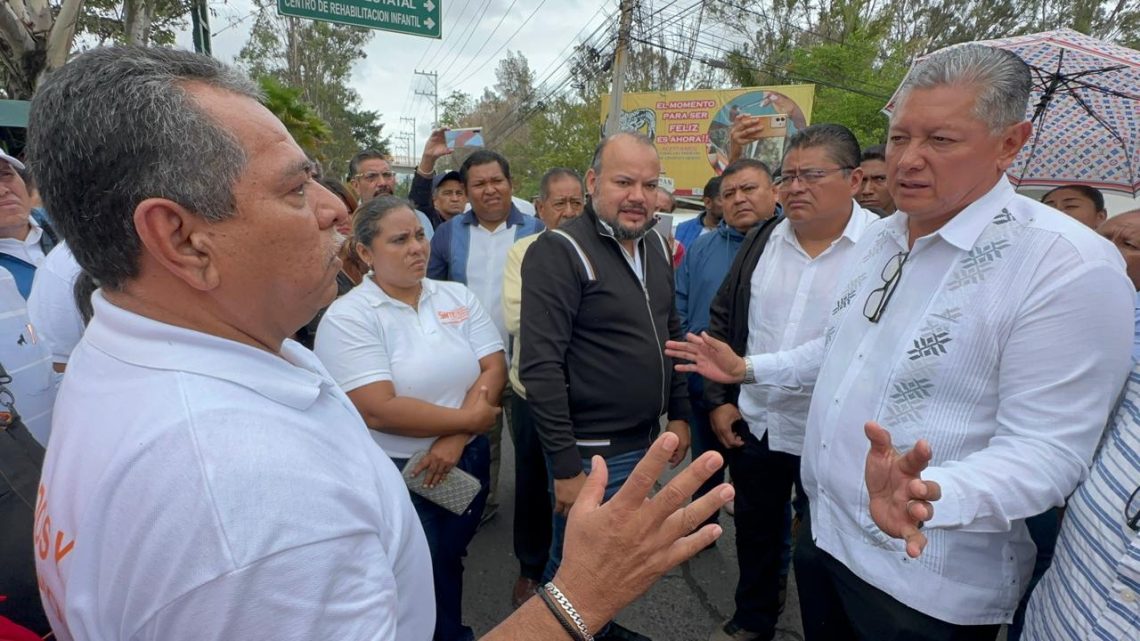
{"points": [[569, 609]]}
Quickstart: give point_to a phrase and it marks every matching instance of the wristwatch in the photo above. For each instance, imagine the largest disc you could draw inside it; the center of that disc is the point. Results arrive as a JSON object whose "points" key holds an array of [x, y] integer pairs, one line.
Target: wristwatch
{"points": [[749, 375]]}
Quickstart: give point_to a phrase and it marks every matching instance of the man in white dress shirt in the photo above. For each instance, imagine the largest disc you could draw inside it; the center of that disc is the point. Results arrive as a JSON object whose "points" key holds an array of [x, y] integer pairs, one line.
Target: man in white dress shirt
{"points": [[790, 279], [980, 332]]}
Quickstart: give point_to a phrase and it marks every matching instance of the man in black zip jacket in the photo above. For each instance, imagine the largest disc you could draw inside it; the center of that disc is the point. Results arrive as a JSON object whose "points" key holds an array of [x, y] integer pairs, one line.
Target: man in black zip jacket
{"points": [[598, 305]]}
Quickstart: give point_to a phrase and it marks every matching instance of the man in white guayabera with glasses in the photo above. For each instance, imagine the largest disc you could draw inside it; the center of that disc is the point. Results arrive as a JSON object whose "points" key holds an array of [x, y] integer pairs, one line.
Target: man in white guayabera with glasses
{"points": [[980, 333]]}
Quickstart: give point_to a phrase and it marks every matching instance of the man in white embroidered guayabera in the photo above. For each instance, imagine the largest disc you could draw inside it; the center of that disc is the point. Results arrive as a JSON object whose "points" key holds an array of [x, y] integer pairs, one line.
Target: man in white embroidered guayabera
{"points": [[206, 477], [980, 332]]}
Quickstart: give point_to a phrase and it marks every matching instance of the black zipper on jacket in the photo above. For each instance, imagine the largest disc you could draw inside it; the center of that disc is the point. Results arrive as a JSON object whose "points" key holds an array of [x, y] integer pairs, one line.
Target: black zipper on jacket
{"points": [[648, 309]]}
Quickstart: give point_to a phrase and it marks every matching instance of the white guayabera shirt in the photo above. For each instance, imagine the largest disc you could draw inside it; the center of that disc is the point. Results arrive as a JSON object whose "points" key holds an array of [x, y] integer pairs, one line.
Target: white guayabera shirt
{"points": [[1005, 344]]}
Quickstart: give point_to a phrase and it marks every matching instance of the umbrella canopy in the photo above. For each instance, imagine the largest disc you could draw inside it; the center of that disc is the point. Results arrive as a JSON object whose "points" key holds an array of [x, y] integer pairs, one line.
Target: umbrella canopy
{"points": [[1085, 110]]}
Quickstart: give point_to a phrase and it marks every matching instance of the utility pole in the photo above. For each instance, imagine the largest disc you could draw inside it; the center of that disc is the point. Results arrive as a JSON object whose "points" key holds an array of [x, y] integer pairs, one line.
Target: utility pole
{"points": [[432, 95], [613, 121], [408, 140], [410, 135]]}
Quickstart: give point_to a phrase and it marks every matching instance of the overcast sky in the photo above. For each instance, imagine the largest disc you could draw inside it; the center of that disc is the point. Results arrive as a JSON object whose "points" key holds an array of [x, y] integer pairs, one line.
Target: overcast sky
{"points": [[385, 78]]}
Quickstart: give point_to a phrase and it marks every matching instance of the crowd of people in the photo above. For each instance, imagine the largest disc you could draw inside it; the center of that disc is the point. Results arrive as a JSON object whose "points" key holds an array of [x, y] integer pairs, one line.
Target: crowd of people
{"points": [[273, 402]]}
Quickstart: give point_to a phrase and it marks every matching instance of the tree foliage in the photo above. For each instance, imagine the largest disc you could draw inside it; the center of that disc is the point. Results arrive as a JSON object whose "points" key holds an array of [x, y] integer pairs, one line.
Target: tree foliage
{"points": [[302, 121], [37, 36], [316, 58]]}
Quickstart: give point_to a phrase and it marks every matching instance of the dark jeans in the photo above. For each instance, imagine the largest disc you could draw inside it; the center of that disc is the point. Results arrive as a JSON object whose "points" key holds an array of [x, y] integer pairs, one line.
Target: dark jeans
{"points": [[1043, 529], [619, 468], [836, 605], [448, 535], [763, 480], [703, 438], [533, 511]]}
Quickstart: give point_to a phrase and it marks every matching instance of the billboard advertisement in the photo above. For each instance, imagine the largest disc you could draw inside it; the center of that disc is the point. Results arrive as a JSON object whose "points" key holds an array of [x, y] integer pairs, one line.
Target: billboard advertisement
{"points": [[691, 127]]}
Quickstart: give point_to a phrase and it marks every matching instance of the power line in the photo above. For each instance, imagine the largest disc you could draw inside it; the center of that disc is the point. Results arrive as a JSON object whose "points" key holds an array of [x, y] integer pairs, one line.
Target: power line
{"points": [[486, 41], [436, 57], [537, 105], [569, 76], [559, 63], [457, 52], [508, 40], [774, 69], [454, 21]]}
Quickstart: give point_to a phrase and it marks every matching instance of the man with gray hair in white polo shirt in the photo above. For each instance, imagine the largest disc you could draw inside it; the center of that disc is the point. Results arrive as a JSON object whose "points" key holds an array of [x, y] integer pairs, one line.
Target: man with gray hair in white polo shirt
{"points": [[981, 333], [206, 478]]}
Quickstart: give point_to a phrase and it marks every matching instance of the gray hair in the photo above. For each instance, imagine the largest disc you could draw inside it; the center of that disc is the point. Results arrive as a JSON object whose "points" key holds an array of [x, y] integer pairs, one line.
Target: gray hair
{"points": [[840, 144], [596, 163], [366, 220], [554, 174], [118, 125], [1003, 81]]}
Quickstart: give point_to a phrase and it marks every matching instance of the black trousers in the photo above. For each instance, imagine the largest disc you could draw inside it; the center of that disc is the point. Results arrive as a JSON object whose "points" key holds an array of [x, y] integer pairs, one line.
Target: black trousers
{"points": [[836, 605], [533, 510], [763, 480]]}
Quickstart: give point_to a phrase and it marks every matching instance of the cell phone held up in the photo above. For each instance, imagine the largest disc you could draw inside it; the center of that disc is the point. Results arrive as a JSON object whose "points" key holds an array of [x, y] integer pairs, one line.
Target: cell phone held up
{"points": [[467, 137]]}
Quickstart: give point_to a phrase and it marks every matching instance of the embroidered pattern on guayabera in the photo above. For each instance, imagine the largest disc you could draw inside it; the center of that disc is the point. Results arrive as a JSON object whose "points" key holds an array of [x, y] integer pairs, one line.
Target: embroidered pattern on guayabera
{"points": [[913, 386]]}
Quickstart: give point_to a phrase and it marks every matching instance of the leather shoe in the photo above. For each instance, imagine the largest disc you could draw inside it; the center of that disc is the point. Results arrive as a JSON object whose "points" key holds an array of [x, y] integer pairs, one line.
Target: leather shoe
{"points": [[524, 589]]}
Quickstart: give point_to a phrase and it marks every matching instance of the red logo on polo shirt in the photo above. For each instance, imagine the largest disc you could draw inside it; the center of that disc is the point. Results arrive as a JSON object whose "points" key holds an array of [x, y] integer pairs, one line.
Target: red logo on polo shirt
{"points": [[454, 316]]}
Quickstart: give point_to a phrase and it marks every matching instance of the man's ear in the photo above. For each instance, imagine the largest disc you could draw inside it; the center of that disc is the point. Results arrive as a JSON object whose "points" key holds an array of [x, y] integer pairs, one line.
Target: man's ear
{"points": [[1012, 140], [856, 180], [178, 240]]}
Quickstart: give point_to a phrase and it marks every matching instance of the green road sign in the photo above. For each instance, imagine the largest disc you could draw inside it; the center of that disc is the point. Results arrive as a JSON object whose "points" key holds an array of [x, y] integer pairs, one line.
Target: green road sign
{"points": [[416, 17]]}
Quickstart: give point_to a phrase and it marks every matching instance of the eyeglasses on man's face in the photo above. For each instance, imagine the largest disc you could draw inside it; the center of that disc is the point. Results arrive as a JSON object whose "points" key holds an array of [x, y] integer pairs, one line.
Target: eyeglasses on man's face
{"points": [[809, 176], [877, 300], [373, 176]]}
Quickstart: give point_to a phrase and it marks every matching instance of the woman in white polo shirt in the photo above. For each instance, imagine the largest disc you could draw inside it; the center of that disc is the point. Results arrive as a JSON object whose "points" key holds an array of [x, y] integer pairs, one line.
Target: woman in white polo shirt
{"points": [[424, 365]]}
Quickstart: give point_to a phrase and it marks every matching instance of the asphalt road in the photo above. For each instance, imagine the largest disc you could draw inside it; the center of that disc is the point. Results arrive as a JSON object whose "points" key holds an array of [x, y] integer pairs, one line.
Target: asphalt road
{"points": [[685, 605]]}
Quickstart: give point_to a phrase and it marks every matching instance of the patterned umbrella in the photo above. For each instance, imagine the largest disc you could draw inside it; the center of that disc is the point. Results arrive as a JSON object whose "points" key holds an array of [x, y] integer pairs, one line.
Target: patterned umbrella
{"points": [[1085, 110]]}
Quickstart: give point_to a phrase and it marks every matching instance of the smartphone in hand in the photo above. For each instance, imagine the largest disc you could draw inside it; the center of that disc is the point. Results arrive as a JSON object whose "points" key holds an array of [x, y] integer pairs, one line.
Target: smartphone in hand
{"points": [[467, 137]]}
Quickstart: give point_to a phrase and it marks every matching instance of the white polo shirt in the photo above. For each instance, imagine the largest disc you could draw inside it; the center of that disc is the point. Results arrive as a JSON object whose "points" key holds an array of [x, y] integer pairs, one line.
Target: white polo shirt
{"points": [[51, 305], [431, 353], [27, 359], [199, 489]]}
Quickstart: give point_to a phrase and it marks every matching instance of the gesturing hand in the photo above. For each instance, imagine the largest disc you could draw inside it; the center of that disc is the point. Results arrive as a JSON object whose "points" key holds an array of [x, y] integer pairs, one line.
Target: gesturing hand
{"points": [[900, 501], [616, 550], [707, 356]]}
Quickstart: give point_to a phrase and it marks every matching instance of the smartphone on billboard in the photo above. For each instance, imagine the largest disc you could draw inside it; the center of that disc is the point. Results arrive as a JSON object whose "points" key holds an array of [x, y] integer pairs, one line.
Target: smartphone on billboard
{"points": [[467, 137]]}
